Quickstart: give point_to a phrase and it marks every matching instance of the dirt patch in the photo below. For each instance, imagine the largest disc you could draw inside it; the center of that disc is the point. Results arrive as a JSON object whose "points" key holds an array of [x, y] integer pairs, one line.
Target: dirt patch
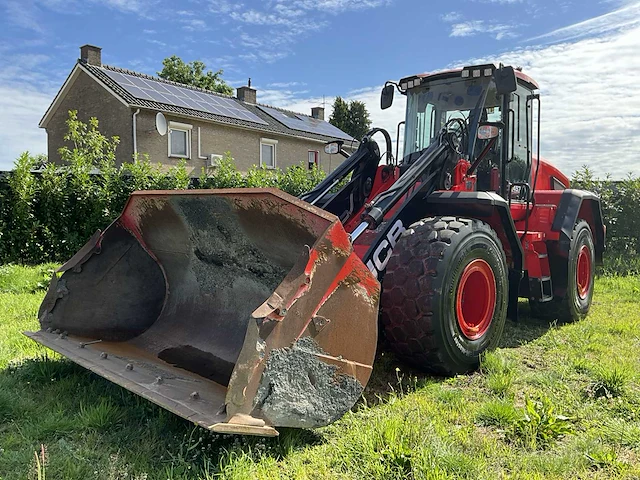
{"points": [[221, 249]]}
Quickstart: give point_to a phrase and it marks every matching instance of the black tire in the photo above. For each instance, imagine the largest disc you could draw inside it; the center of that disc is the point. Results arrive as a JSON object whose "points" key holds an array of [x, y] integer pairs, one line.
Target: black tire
{"points": [[576, 301], [420, 291]]}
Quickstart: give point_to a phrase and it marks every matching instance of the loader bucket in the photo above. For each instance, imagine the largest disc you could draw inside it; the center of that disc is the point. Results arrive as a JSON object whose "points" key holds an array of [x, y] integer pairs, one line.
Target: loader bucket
{"points": [[240, 310]]}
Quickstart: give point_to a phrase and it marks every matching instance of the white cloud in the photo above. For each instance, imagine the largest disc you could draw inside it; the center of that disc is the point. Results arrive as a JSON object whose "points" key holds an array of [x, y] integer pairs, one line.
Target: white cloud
{"points": [[193, 24], [475, 27], [24, 15], [156, 42], [128, 6], [589, 96], [589, 100], [278, 24], [336, 6], [21, 108], [451, 17], [618, 19], [285, 84], [224, 6]]}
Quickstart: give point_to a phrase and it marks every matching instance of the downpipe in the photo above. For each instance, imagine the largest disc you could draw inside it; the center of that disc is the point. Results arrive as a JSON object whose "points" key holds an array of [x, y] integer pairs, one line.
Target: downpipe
{"points": [[135, 134]]}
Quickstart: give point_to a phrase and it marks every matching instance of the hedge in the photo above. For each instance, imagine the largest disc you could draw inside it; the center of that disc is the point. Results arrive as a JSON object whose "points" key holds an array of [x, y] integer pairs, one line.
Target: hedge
{"points": [[48, 215], [48, 211]]}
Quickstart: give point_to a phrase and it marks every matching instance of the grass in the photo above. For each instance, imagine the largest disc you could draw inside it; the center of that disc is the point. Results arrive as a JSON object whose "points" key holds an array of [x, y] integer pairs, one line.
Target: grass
{"points": [[555, 401]]}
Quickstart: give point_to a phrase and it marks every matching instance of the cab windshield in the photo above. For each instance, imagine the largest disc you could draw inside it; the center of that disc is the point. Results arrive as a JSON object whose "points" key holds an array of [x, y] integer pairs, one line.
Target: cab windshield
{"points": [[431, 106]]}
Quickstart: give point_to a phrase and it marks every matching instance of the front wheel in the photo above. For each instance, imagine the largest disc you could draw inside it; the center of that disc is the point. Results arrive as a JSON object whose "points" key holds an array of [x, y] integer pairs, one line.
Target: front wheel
{"points": [[580, 268], [445, 293]]}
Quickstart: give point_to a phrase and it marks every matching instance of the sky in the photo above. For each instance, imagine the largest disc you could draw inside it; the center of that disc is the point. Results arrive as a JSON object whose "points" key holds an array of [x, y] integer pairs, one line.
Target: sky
{"points": [[304, 53]]}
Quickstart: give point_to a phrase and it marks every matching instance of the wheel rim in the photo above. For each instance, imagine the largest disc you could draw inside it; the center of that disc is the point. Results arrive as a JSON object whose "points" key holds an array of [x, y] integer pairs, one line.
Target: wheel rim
{"points": [[583, 272], [476, 299]]}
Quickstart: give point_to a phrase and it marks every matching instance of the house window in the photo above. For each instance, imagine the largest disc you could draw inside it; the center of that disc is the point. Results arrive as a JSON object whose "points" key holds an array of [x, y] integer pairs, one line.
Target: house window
{"points": [[313, 159], [180, 140], [268, 153]]}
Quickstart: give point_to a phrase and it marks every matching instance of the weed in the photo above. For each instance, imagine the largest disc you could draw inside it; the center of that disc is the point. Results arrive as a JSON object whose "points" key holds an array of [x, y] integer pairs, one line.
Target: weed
{"points": [[497, 413], [99, 416], [39, 466], [429, 428], [621, 433], [499, 371], [539, 426], [609, 382], [604, 459], [500, 383]]}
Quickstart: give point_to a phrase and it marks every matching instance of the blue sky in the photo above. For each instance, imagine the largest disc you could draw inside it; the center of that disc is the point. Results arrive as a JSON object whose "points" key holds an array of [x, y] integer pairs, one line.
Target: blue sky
{"points": [[583, 53]]}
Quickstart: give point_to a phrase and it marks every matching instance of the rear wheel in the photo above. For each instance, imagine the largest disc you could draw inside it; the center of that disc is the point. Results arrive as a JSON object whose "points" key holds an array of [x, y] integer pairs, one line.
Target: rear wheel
{"points": [[444, 298], [580, 272]]}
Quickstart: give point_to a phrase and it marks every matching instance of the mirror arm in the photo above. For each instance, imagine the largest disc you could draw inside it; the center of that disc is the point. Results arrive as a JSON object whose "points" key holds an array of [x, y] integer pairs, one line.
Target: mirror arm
{"points": [[390, 82]]}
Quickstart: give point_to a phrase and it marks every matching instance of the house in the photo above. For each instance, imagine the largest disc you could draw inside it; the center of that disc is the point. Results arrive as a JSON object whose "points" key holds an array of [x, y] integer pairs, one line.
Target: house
{"points": [[201, 125]]}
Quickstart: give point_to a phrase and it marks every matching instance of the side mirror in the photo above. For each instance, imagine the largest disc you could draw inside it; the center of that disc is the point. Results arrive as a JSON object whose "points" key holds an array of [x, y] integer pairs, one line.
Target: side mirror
{"points": [[386, 99], [332, 148], [505, 78]]}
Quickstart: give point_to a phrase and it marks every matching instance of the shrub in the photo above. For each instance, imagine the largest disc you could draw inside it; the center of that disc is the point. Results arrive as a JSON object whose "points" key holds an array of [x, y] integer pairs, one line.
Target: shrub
{"points": [[619, 204]]}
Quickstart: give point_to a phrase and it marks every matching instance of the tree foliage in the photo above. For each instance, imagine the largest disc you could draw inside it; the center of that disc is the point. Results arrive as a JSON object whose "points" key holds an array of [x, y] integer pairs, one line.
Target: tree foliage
{"points": [[350, 117], [194, 74]]}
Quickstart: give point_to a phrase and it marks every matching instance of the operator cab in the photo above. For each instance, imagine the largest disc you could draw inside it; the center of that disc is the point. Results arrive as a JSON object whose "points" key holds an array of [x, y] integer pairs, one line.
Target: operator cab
{"points": [[486, 101]]}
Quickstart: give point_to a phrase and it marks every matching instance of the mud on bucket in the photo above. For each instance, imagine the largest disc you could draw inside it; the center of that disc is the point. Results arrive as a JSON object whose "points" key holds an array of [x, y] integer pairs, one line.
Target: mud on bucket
{"points": [[240, 310]]}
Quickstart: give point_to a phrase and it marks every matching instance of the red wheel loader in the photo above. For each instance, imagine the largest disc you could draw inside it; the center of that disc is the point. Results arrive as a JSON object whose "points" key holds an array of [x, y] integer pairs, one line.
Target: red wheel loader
{"points": [[248, 309]]}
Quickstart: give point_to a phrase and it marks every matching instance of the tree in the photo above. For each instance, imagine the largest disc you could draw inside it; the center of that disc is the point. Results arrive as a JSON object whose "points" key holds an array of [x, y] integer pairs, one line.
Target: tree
{"points": [[193, 73], [351, 117], [340, 115], [359, 122]]}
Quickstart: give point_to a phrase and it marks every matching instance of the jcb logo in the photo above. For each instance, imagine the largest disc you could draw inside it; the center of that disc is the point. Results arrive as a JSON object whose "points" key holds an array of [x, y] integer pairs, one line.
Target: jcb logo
{"points": [[382, 253]]}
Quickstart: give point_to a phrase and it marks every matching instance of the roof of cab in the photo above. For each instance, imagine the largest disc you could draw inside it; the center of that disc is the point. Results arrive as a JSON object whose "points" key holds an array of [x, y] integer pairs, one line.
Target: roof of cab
{"points": [[524, 78]]}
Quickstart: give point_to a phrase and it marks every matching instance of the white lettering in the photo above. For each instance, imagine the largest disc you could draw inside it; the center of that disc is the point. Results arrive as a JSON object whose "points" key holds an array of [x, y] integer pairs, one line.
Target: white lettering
{"points": [[377, 264], [380, 264], [394, 234], [372, 268]]}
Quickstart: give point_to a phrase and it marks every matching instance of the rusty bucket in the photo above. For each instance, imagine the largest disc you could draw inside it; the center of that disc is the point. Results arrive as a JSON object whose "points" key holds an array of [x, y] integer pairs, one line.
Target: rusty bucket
{"points": [[240, 310]]}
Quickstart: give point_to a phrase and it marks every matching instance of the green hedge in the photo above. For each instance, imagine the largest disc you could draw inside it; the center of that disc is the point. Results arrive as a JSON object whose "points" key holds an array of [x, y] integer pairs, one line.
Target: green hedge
{"points": [[47, 216], [620, 205]]}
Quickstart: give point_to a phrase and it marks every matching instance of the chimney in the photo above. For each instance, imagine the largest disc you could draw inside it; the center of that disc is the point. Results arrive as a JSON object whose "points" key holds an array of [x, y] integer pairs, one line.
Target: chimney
{"points": [[318, 112], [247, 94], [91, 55]]}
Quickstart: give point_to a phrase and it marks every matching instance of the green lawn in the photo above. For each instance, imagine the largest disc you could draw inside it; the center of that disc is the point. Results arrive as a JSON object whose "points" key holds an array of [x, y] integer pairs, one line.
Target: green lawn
{"points": [[555, 402]]}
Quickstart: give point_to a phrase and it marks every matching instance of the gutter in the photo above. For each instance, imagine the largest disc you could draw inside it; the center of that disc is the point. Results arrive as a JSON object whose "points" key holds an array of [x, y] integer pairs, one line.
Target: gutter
{"points": [[135, 135]]}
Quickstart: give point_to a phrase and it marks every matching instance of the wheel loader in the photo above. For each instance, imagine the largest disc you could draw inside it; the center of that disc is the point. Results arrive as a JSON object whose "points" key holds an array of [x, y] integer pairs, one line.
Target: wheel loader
{"points": [[244, 310]]}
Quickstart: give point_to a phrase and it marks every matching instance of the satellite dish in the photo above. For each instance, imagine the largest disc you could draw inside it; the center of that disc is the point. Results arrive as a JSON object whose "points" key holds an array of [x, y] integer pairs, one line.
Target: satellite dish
{"points": [[161, 124]]}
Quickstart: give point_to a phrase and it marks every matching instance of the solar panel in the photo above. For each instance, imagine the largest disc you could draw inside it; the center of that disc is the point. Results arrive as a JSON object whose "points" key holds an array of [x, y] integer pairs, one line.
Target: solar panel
{"points": [[146, 89], [305, 124]]}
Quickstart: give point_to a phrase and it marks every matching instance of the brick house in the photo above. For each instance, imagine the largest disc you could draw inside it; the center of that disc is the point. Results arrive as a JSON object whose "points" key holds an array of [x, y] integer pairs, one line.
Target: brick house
{"points": [[202, 125]]}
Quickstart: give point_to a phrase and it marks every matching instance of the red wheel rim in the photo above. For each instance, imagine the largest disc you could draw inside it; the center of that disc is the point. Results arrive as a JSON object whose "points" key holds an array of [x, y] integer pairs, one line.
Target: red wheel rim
{"points": [[583, 272], [476, 299]]}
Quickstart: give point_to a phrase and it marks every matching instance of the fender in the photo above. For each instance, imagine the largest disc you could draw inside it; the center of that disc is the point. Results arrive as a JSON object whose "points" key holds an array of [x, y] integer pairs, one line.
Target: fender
{"points": [[486, 206], [575, 204]]}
